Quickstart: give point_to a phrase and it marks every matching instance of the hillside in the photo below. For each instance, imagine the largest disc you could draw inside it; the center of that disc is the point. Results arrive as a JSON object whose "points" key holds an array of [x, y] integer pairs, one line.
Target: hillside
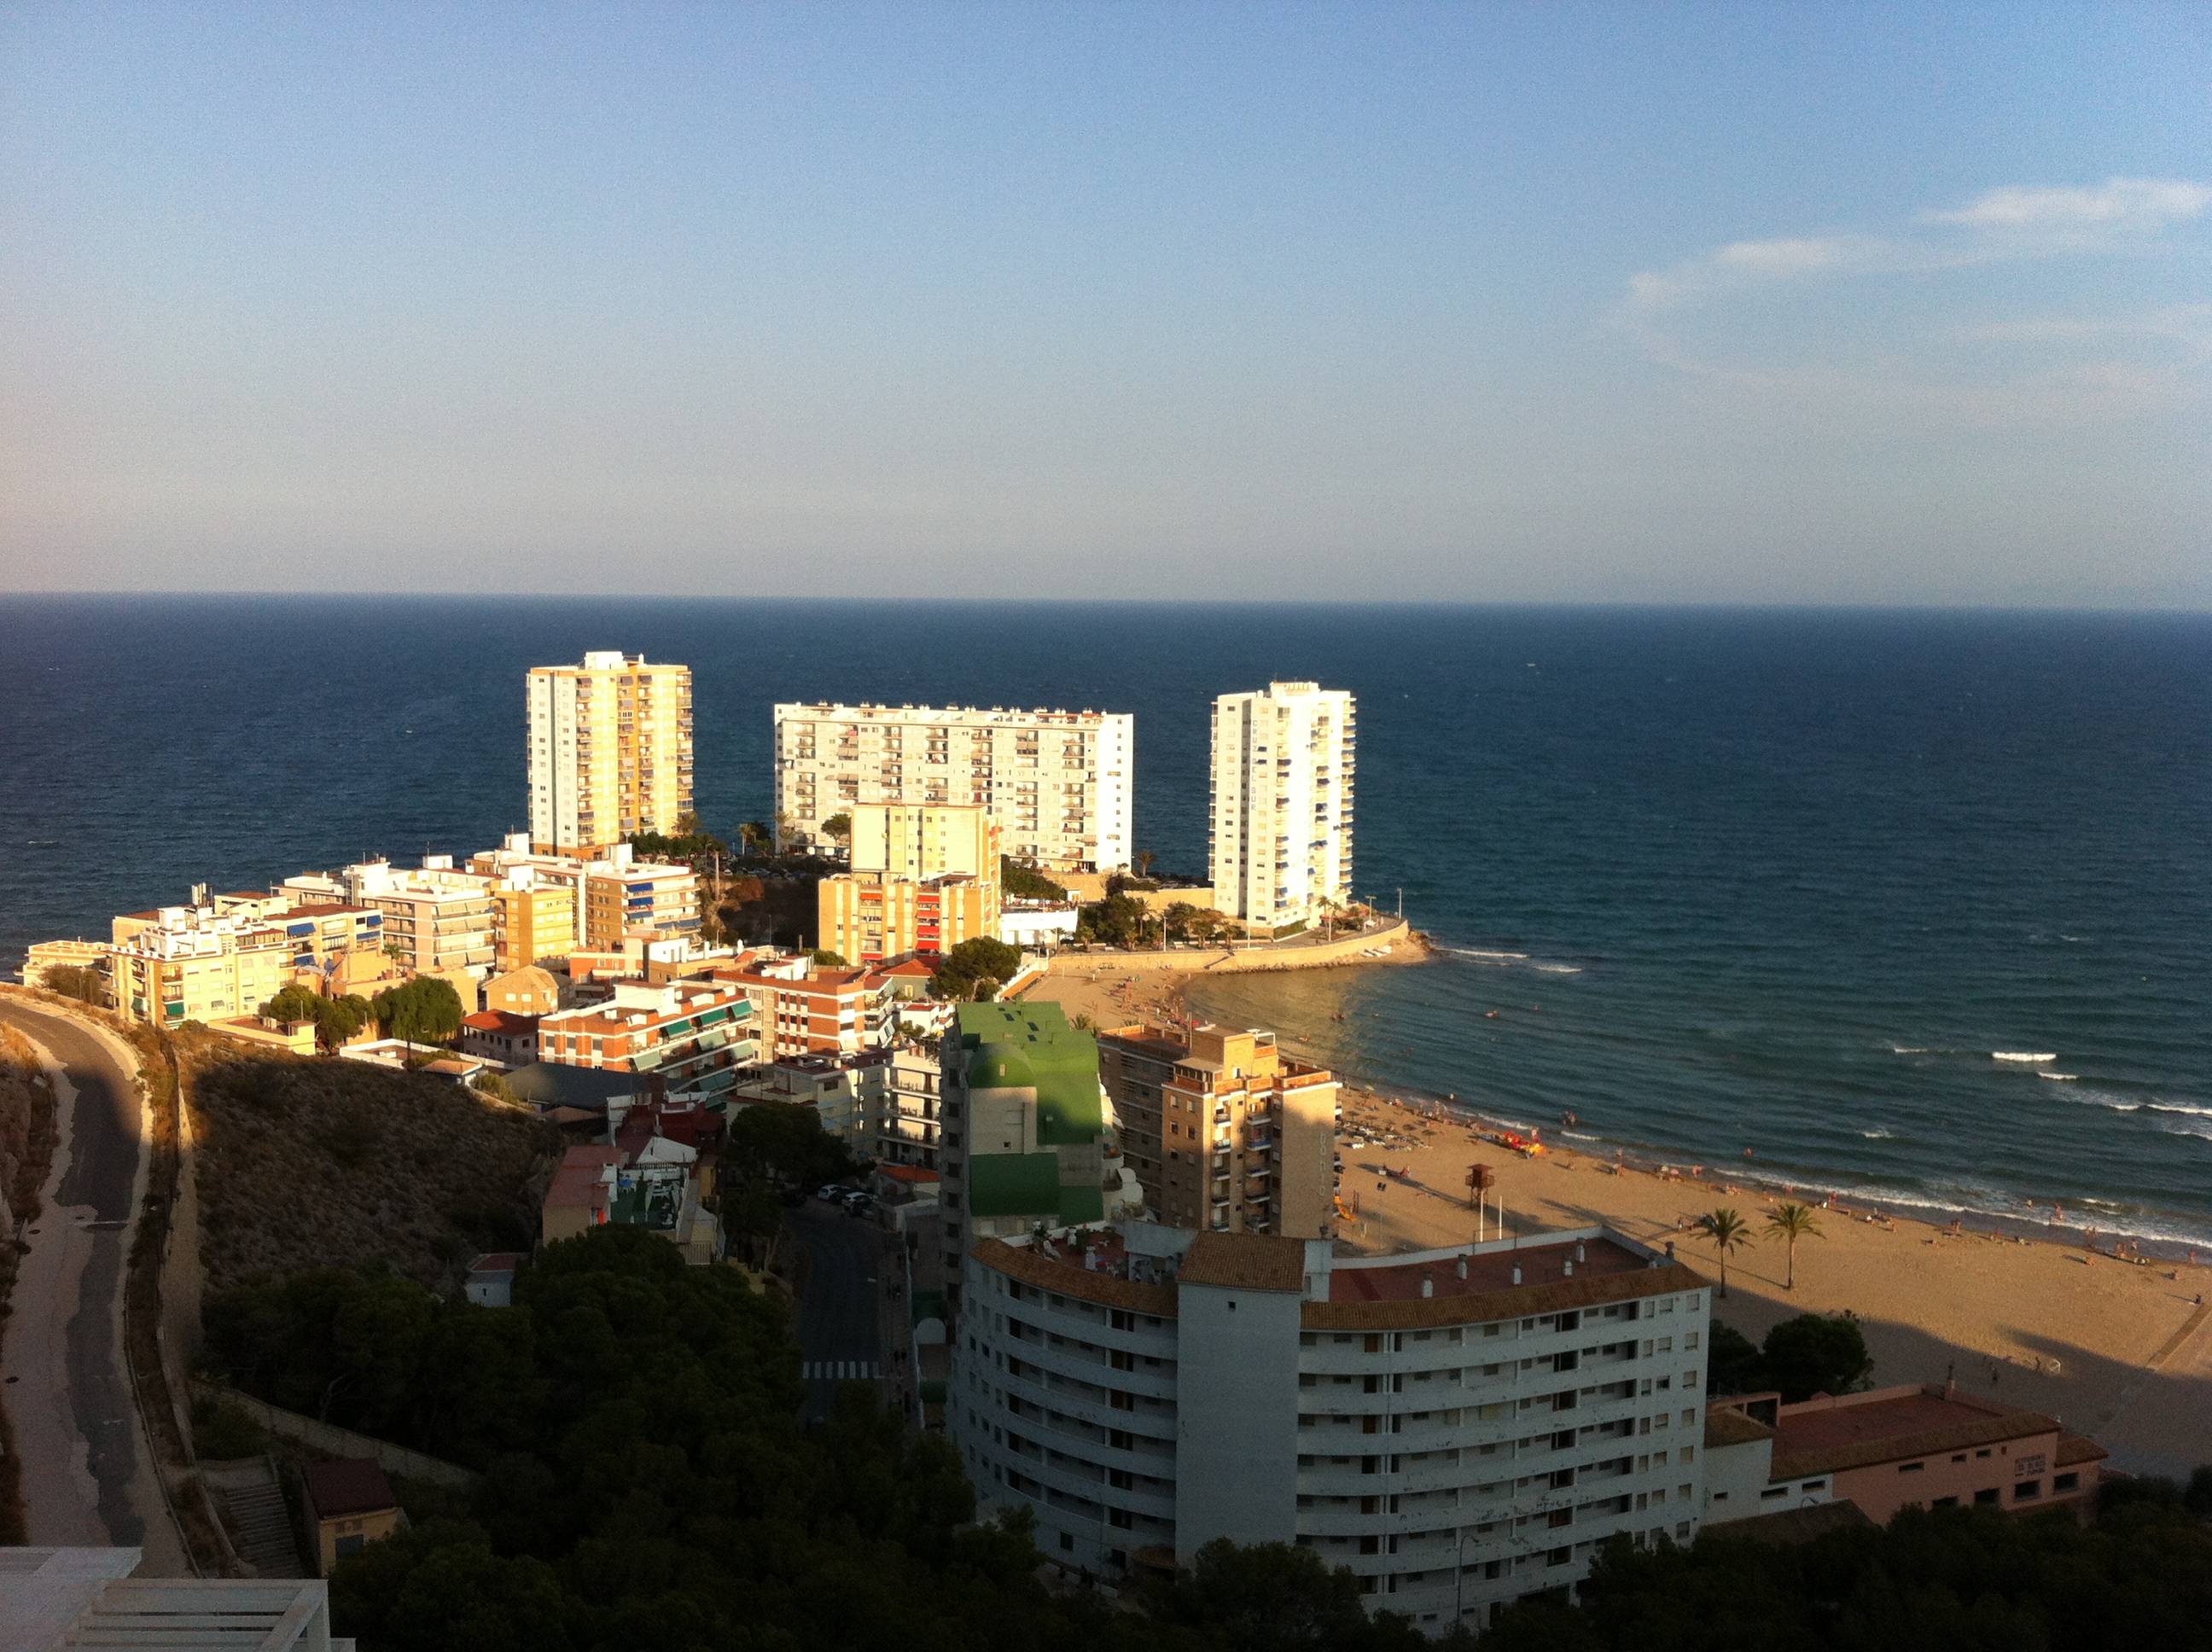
{"points": [[309, 1162]]}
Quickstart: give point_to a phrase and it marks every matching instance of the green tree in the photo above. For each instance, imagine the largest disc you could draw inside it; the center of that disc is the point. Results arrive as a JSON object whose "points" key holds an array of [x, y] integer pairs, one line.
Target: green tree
{"points": [[756, 836], [426, 1009], [1793, 1222], [838, 828], [829, 960], [1732, 1361], [1277, 1597], [786, 1141], [1118, 920], [73, 981], [1022, 881], [337, 1019], [1729, 1231], [440, 1587], [972, 964], [1816, 1353]]}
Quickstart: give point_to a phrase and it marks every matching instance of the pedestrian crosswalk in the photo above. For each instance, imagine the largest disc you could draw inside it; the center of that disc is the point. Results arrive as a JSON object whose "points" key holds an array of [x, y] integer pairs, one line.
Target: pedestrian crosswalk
{"points": [[839, 1371]]}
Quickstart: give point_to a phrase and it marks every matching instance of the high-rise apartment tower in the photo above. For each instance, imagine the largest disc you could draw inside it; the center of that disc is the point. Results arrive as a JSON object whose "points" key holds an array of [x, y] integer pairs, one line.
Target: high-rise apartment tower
{"points": [[1058, 782], [609, 751], [1282, 799]]}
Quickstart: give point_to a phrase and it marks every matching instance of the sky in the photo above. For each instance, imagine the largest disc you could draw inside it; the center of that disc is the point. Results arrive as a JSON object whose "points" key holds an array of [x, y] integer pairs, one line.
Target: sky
{"points": [[1456, 303]]}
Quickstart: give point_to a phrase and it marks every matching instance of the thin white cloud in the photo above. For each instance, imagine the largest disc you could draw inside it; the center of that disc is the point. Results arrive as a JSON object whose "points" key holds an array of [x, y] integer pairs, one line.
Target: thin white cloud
{"points": [[1743, 264], [2013, 222], [2135, 202], [2049, 369], [2187, 325]]}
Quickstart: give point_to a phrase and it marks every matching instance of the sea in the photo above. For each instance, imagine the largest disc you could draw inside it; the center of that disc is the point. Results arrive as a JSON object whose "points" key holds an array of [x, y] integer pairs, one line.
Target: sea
{"points": [[1793, 892]]}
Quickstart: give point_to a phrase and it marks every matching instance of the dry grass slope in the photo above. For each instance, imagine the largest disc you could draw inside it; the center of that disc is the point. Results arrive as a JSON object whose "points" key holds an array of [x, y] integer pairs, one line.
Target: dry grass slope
{"points": [[27, 1148], [314, 1163]]}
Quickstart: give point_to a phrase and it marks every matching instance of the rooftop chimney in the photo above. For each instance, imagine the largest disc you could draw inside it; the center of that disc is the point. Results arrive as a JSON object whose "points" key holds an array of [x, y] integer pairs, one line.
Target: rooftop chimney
{"points": [[1516, 1273], [1428, 1285], [1463, 1267], [1578, 1250], [1567, 1270]]}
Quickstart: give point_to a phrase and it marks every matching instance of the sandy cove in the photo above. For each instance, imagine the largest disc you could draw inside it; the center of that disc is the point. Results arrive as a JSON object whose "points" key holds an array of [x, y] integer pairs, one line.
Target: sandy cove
{"points": [[2117, 1350], [2125, 1352]]}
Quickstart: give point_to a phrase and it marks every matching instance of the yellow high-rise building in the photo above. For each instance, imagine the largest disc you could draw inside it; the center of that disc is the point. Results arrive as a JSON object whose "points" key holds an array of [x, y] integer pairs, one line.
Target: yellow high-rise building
{"points": [[609, 751], [533, 924], [924, 879]]}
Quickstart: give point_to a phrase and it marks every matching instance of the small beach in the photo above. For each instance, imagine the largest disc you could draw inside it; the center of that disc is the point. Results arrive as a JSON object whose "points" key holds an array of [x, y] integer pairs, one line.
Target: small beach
{"points": [[2118, 1349]]}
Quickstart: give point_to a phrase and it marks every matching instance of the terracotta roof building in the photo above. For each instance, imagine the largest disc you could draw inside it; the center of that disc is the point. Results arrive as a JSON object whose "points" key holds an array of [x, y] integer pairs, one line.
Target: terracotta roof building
{"points": [[1923, 1446]]}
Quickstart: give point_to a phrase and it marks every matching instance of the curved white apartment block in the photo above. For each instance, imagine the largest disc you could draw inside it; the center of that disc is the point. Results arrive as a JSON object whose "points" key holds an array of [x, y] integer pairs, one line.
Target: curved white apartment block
{"points": [[1460, 1428]]}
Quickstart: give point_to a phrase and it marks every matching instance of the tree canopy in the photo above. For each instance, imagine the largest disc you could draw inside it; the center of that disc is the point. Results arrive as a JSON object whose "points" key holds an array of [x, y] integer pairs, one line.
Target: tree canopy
{"points": [[1810, 1354], [785, 1141], [337, 1019], [1023, 882], [974, 963], [647, 1484], [1932, 1580], [426, 1009], [73, 981], [689, 842]]}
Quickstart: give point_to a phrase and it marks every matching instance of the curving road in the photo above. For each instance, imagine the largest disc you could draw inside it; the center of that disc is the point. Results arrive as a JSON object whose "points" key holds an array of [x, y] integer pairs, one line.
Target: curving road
{"points": [[88, 1476]]}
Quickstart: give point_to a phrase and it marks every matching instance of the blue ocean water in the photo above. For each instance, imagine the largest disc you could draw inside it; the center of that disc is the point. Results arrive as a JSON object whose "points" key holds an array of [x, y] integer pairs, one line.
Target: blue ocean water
{"points": [[1775, 880]]}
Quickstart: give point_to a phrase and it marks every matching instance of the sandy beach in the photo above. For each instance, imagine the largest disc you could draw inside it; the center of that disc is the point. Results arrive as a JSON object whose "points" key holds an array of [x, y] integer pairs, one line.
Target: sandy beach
{"points": [[2120, 1352]]}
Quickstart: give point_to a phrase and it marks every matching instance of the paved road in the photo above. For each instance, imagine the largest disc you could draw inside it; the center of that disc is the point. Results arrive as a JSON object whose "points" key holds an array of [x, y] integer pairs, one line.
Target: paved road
{"points": [[88, 1478], [839, 1322]]}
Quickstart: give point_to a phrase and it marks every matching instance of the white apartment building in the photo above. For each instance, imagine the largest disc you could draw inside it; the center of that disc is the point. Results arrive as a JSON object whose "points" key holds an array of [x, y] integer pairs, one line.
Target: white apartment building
{"points": [[437, 919], [609, 751], [1282, 796], [1058, 782], [1460, 1428]]}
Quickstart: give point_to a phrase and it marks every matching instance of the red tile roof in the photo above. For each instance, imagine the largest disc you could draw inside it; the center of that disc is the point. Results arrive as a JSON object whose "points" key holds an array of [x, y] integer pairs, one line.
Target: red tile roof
{"points": [[349, 1486], [907, 1173], [1493, 1271], [501, 1021], [1818, 1437]]}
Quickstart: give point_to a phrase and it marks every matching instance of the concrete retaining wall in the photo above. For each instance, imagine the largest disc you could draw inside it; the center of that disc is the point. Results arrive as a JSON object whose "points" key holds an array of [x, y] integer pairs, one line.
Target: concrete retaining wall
{"points": [[1299, 954], [343, 1441]]}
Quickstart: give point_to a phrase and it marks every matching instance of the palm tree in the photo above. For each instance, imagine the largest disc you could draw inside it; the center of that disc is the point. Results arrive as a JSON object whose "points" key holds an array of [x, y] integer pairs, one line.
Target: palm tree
{"points": [[1727, 1229], [1793, 1222]]}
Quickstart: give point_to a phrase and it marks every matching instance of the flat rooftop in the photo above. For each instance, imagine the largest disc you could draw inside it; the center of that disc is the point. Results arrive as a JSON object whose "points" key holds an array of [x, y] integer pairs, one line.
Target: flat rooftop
{"points": [[1881, 1420], [1358, 1281], [1854, 1432]]}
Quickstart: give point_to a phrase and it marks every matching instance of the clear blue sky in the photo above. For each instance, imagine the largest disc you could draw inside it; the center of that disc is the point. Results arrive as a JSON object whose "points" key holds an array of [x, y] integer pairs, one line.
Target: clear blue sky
{"points": [[1768, 302]]}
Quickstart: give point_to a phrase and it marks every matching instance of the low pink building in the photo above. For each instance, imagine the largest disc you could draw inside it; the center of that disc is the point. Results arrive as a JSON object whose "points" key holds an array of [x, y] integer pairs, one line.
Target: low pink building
{"points": [[1925, 1446]]}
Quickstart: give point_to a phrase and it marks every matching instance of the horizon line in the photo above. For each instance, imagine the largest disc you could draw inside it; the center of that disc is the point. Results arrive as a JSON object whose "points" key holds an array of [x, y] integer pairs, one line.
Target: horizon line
{"points": [[1610, 605]]}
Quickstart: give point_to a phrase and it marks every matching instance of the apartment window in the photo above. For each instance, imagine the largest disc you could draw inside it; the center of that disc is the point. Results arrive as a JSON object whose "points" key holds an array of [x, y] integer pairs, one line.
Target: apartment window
{"points": [[1985, 1498], [2027, 1491], [1911, 1468], [2065, 1482]]}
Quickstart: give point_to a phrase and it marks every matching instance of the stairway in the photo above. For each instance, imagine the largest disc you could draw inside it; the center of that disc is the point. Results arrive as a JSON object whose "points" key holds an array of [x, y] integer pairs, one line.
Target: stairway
{"points": [[264, 1525]]}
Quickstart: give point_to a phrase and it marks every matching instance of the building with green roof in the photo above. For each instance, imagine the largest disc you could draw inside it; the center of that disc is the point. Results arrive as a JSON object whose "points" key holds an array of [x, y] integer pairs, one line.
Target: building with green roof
{"points": [[1027, 1137]]}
